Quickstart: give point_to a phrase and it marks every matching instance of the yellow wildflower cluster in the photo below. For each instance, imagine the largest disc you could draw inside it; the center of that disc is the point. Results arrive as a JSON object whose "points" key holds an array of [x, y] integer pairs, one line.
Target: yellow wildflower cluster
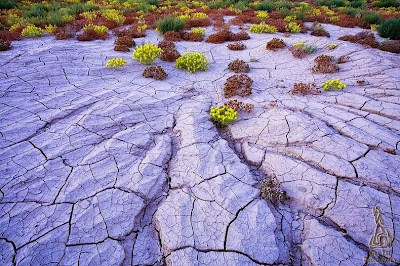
{"points": [[184, 17], [50, 28], [146, 53], [333, 19], [67, 18], [223, 115], [314, 12], [333, 84], [32, 31], [327, 11], [331, 46], [116, 63], [192, 61], [199, 15], [89, 15], [114, 15], [262, 14], [293, 27], [299, 45], [262, 28], [98, 29], [201, 31], [289, 18], [235, 10]]}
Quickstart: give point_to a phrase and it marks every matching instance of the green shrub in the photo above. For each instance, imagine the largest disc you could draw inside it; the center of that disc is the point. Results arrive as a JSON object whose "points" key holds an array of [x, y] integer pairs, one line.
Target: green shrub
{"points": [[169, 24], [386, 3], [81, 7], [372, 18], [38, 10], [332, 3], [153, 2], [265, 6], [8, 4], [146, 53], [390, 29], [223, 115], [358, 4], [350, 11], [192, 61]]}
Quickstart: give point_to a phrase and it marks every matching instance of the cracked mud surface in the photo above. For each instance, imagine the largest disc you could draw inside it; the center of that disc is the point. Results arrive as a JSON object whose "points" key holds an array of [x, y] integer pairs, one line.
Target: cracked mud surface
{"points": [[106, 167]]}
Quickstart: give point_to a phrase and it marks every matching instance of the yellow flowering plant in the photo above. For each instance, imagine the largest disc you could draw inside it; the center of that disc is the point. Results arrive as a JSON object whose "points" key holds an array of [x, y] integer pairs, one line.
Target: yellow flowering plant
{"points": [[262, 14], [113, 15], [262, 28], [223, 115], [199, 15], [333, 84], [146, 53], [98, 29], [192, 61], [32, 31], [293, 27], [116, 63], [200, 31]]}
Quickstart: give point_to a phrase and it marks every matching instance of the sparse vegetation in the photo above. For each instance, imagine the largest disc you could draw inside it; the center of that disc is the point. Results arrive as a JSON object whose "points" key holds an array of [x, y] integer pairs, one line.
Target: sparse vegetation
{"points": [[223, 115]]}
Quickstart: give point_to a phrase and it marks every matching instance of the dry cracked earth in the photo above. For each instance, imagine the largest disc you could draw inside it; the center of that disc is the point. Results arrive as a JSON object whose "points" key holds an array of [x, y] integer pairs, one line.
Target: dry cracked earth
{"points": [[104, 167]]}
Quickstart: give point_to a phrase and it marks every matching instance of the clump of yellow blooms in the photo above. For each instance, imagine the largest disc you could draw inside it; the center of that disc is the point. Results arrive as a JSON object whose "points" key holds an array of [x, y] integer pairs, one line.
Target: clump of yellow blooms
{"points": [[289, 18], [333, 84], [293, 27], [201, 31], [32, 31], [374, 27], [114, 15], [98, 29], [89, 15], [262, 14], [235, 10], [331, 46], [184, 17], [223, 115], [50, 29], [327, 11], [262, 28], [146, 53], [192, 61], [314, 12], [116, 63], [67, 18], [199, 15], [334, 18], [299, 45]]}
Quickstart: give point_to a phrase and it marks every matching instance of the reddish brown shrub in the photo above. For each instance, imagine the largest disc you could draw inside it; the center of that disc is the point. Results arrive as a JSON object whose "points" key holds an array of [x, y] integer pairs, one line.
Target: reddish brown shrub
{"points": [[5, 45], [240, 36], [172, 36], [192, 37], [238, 85], [275, 44], [279, 24], [318, 30], [325, 64], [91, 35], [154, 72], [121, 48], [164, 44], [364, 38], [169, 54], [239, 66], [343, 59], [64, 33], [390, 46], [9, 36], [245, 18], [305, 89], [239, 106], [204, 22], [219, 37], [236, 46], [125, 40]]}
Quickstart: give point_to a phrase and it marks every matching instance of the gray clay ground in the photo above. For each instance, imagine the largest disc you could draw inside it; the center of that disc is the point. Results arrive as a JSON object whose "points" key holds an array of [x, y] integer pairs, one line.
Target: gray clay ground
{"points": [[104, 167]]}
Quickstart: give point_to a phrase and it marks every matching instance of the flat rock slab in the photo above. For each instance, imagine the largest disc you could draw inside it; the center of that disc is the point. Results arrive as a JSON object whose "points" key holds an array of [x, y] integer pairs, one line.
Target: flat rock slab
{"points": [[104, 167]]}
